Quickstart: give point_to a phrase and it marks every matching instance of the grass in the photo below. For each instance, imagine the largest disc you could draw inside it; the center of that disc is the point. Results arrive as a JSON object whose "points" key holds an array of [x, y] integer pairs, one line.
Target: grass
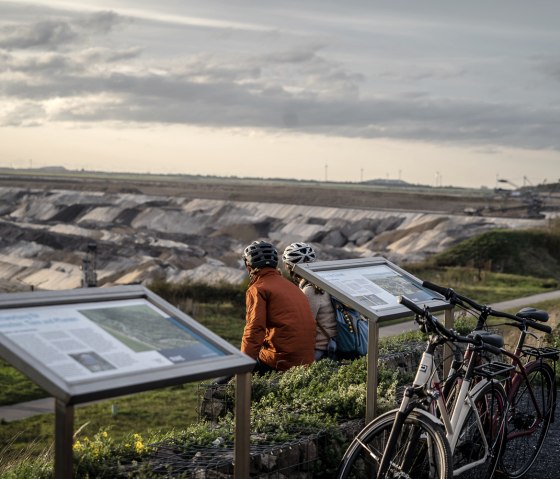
{"points": [[16, 387], [483, 286], [169, 409]]}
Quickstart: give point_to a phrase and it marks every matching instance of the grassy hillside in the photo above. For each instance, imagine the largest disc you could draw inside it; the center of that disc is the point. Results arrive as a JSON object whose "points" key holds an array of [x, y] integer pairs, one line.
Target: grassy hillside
{"points": [[528, 253]]}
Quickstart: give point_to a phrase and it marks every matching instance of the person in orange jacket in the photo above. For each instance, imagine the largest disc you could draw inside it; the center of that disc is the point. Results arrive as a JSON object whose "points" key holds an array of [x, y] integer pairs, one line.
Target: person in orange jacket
{"points": [[280, 329]]}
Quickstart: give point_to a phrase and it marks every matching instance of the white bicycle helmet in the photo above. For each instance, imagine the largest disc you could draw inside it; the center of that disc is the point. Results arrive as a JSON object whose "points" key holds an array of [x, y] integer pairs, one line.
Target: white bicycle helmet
{"points": [[298, 253], [260, 254]]}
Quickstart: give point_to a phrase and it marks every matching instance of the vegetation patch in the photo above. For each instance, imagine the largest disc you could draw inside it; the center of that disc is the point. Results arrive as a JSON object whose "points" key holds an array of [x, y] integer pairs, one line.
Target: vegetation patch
{"points": [[529, 252], [122, 440]]}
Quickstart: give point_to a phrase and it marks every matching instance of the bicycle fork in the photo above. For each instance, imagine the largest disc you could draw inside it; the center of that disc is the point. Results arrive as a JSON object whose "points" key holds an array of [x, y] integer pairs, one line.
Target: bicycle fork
{"points": [[422, 377]]}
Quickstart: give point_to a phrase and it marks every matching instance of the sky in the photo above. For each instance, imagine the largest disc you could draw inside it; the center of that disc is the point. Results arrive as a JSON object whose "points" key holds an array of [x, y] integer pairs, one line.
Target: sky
{"points": [[432, 92]]}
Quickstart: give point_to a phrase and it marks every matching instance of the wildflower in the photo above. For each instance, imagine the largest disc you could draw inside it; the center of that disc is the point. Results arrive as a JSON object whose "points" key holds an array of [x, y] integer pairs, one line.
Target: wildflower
{"points": [[78, 446]]}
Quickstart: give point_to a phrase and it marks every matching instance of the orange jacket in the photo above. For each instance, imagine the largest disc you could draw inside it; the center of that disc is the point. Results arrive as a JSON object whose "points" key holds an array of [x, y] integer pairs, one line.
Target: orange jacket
{"points": [[279, 329]]}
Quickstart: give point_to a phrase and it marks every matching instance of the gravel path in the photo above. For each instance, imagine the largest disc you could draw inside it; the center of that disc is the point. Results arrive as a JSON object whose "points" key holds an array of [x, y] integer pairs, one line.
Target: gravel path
{"points": [[547, 465]]}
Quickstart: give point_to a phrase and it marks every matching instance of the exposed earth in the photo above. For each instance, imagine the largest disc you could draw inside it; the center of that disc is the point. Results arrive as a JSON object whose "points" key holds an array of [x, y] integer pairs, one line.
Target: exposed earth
{"points": [[340, 195], [194, 228]]}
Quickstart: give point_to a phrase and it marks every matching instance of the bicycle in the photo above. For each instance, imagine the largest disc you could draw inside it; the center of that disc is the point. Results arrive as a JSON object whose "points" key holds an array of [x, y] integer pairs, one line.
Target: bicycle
{"points": [[531, 386], [422, 439]]}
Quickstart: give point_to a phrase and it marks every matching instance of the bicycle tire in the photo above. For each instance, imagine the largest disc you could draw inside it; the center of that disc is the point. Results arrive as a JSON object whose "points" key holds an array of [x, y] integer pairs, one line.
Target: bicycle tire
{"points": [[451, 388], [428, 457], [491, 405], [526, 429]]}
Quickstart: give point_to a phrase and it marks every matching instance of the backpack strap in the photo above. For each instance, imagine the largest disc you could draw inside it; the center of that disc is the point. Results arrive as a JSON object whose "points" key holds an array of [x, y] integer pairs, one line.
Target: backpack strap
{"points": [[323, 330]]}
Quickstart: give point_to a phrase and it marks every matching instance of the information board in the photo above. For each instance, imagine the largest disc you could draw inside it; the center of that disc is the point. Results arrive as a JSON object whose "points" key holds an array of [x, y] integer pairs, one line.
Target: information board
{"points": [[97, 342], [370, 285]]}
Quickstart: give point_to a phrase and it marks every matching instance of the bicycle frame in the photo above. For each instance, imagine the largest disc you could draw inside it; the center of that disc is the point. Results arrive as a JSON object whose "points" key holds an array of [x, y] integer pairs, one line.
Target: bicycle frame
{"points": [[427, 383], [454, 419]]}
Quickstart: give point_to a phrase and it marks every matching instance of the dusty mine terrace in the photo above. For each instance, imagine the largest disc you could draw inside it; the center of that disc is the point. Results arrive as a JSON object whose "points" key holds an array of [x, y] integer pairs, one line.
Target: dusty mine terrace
{"points": [[345, 195]]}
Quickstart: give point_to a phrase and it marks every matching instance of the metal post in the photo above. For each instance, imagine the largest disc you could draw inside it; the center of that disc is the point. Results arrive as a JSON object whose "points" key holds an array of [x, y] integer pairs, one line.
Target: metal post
{"points": [[242, 425], [63, 440], [448, 322], [372, 367], [89, 275]]}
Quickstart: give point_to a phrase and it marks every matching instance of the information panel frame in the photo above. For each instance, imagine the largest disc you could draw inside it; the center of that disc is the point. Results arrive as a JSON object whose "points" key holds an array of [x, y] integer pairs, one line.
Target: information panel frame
{"points": [[217, 357], [338, 277], [343, 279]]}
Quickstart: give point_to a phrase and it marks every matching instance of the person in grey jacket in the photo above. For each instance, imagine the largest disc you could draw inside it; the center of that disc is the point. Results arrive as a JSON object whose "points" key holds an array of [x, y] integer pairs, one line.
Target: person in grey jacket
{"points": [[319, 301]]}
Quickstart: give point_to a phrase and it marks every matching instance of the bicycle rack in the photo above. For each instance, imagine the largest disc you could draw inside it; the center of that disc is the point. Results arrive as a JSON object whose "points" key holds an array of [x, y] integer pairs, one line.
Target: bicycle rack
{"points": [[545, 353], [493, 370]]}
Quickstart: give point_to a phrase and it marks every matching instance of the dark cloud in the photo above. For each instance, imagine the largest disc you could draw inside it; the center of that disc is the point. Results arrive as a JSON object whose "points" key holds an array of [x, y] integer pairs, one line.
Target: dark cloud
{"points": [[53, 33], [105, 55], [100, 22], [47, 33], [301, 86], [228, 97]]}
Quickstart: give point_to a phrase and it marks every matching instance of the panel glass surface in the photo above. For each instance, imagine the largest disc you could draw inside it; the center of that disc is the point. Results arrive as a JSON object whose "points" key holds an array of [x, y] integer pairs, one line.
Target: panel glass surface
{"points": [[100, 340], [375, 287]]}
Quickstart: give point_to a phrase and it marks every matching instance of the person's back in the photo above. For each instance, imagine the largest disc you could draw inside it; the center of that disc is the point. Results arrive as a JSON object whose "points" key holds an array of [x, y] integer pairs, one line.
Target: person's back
{"points": [[288, 326], [280, 329], [323, 311], [320, 302]]}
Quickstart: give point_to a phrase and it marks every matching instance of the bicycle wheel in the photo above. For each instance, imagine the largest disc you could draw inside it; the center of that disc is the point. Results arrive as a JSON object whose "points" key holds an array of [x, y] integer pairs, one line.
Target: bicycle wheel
{"points": [[422, 451], [531, 407], [481, 436], [451, 388]]}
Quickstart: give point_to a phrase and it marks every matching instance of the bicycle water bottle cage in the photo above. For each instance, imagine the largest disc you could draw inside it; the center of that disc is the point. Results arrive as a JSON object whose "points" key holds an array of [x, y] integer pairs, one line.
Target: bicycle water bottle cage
{"points": [[534, 314]]}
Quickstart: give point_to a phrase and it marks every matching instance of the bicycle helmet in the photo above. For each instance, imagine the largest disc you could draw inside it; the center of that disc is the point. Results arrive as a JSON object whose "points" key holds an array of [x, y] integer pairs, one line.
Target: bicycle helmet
{"points": [[298, 253], [260, 254]]}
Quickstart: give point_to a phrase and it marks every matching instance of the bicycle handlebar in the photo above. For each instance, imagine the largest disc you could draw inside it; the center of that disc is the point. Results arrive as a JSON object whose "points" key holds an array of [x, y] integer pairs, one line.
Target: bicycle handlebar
{"points": [[456, 298], [452, 296], [532, 324], [434, 325]]}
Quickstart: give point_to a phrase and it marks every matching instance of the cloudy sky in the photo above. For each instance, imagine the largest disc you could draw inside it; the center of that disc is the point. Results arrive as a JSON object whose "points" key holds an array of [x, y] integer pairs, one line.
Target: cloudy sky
{"points": [[432, 92]]}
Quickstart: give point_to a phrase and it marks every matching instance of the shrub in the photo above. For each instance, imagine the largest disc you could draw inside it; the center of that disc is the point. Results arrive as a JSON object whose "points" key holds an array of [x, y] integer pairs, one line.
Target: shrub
{"points": [[533, 252]]}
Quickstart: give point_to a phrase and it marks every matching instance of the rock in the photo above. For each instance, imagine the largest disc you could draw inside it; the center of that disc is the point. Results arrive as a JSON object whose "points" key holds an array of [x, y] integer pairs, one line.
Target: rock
{"points": [[335, 238], [361, 237], [44, 235]]}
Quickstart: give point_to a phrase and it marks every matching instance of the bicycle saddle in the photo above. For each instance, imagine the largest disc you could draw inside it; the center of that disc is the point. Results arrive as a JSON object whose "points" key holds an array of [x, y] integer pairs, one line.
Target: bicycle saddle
{"points": [[489, 338], [534, 314]]}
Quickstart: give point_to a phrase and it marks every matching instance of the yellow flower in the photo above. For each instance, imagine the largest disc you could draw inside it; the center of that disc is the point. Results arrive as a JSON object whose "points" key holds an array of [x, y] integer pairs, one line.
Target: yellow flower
{"points": [[139, 446], [78, 446], [105, 434]]}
